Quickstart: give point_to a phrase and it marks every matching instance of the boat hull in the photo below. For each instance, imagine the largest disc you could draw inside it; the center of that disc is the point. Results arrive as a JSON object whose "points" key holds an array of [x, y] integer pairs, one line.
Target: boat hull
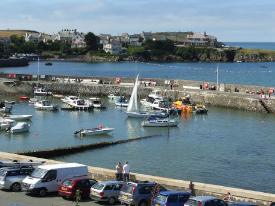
{"points": [[138, 114], [89, 132], [19, 117], [160, 123]]}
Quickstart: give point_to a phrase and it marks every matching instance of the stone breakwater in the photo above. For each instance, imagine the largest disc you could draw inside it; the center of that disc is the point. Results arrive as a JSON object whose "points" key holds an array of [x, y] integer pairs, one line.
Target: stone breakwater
{"points": [[102, 174], [243, 97]]}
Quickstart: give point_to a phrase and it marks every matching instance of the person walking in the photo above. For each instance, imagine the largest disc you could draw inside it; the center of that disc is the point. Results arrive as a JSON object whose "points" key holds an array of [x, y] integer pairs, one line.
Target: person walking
{"points": [[119, 169], [126, 171]]}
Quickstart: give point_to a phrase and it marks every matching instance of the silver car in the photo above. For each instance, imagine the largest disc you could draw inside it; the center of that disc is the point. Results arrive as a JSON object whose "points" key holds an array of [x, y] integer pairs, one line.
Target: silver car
{"points": [[106, 191], [11, 178]]}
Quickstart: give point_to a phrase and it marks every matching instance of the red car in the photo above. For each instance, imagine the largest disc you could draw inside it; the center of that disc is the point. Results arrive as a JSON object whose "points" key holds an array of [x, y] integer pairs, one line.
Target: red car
{"points": [[68, 187]]}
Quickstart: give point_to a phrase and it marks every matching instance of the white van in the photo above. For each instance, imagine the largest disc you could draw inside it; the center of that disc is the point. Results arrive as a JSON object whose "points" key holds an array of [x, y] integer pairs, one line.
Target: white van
{"points": [[47, 178]]}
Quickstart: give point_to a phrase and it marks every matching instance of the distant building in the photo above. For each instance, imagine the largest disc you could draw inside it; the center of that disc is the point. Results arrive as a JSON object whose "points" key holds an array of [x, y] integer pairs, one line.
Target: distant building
{"points": [[134, 40], [38, 37], [113, 47], [146, 36], [78, 41], [199, 39]]}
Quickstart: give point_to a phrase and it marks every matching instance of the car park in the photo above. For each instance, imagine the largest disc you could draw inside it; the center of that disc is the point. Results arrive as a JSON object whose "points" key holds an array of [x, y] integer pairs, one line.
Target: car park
{"points": [[107, 191], [171, 198], [138, 193], [11, 177], [69, 187]]}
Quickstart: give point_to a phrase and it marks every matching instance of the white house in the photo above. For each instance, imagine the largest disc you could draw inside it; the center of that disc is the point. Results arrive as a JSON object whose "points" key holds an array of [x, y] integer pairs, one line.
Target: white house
{"points": [[199, 39], [134, 40], [146, 35], [113, 47], [78, 41]]}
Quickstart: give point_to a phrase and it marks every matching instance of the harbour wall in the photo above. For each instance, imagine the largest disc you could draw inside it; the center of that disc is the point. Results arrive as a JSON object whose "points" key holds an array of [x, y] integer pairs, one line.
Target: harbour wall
{"points": [[102, 174], [235, 96]]}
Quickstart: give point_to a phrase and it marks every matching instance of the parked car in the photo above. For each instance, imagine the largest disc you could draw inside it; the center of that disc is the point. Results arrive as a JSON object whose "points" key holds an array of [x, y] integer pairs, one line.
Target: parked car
{"points": [[213, 201], [205, 201], [137, 193], [69, 187], [11, 177], [46, 178], [106, 191], [171, 198]]}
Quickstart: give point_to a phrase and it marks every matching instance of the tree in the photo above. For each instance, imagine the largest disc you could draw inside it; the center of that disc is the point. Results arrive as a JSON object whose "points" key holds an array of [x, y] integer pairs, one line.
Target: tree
{"points": [[2, 50], [92, 42]]}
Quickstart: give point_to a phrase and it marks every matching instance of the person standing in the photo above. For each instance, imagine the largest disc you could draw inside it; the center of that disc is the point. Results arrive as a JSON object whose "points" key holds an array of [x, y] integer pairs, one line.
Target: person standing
{"points": [[126, 171], [119, 169]]}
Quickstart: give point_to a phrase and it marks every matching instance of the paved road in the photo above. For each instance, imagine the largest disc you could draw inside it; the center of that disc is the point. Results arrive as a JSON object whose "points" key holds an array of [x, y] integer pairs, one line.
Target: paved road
{"points": [[21, 199]]}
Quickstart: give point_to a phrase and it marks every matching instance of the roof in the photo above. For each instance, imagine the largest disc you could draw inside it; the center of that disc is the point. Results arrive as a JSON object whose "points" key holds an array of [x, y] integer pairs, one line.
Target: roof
{"points": [[111, 182], [57, 166], [170, 192], [203, 198]]}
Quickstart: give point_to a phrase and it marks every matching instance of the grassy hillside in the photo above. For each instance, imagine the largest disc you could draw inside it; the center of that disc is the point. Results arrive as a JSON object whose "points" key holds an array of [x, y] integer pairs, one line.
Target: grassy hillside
{"points": [[8, 33]]}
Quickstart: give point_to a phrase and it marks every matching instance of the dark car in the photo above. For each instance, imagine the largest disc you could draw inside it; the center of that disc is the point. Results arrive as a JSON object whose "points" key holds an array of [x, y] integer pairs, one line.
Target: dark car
{"points": [[171, 198], [138, 193], [69, 187]]}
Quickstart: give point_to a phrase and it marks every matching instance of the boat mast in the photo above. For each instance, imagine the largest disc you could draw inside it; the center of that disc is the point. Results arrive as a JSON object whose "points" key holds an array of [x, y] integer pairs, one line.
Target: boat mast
{"points": [[217, 77], [38, 69]]}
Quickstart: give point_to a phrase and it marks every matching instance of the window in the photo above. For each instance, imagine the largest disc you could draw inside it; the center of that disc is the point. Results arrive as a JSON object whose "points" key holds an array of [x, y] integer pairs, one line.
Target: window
{"points": [[118, 187], [109, 187], [145, 189], [13, 173], [51, 175], [173, 199], [183, 198]]}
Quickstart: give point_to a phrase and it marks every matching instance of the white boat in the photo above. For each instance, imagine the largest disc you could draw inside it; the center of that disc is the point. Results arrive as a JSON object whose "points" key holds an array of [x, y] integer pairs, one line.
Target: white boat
{"points": [[9, 102], [133, 108], [113, 97], [121, 102], [6, 123], [96, 103], [80, 104], [153, 121], [161, 105], [94, 131], [45, 105], [155, 95], [20, 127], [67, 99], [39, 91], [5, 108], [19, 117], [33, 100]]}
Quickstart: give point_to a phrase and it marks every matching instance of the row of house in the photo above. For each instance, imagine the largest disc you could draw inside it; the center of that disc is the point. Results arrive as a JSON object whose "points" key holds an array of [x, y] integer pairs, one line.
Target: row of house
{"points": [[73, 37], [115, 44]]}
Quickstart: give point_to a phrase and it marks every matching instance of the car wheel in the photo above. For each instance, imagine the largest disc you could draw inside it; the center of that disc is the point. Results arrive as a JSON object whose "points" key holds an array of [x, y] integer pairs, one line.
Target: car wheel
{"points": [[112, 201], [142, 203], [42, 192], [16, 187]]}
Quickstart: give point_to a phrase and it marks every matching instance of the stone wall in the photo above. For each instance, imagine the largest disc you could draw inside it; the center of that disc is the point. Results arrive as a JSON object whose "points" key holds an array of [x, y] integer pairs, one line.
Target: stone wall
{"points": [[102, 174]]}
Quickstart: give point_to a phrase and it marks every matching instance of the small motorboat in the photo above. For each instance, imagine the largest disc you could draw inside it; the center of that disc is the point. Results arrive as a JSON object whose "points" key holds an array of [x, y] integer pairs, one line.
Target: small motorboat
{"points": [[122, 102], [19, 117], [16, 163], [39, 91], [6, 123], [67, 99], [19, 127], [200, 109], [45, 105], [48, 64], [113, 97], [24, 98], [158, 121], [80, 104], [9, 102], [95, 131], [33, 100], [7, 108], [97, 103]]}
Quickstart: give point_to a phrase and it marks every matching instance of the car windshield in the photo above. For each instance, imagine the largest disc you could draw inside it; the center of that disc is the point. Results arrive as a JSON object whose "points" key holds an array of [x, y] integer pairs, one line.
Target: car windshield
{"points": [[98, 186], [38, 173], [161, 198], [191, 202]]}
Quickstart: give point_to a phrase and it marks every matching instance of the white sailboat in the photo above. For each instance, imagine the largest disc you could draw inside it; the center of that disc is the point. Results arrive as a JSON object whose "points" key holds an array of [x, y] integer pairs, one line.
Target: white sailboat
{"points": [[133, 108]]}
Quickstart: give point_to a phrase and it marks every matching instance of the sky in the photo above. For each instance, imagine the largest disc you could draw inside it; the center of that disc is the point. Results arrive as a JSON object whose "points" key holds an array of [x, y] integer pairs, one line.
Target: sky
{"points": [[228, 20]]}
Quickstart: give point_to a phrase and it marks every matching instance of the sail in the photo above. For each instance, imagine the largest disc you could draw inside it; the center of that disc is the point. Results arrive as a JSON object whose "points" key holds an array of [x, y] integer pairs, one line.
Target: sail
{"points": [[133, 103]]}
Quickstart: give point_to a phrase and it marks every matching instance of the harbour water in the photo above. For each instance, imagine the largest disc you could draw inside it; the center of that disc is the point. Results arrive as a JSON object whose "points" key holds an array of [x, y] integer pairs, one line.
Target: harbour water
{"points": [[262, 73], [253, 45], [225, 147]]}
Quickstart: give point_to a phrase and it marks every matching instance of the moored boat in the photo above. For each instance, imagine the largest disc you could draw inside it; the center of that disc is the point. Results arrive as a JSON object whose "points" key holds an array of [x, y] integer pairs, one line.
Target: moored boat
{"points": [[96, 103], [80, 104], [45, 105], [122, 102], [19, 127], [16, 163], [39, 91], [19, 117], [160, 121], [6, 123], [95, 131]]}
